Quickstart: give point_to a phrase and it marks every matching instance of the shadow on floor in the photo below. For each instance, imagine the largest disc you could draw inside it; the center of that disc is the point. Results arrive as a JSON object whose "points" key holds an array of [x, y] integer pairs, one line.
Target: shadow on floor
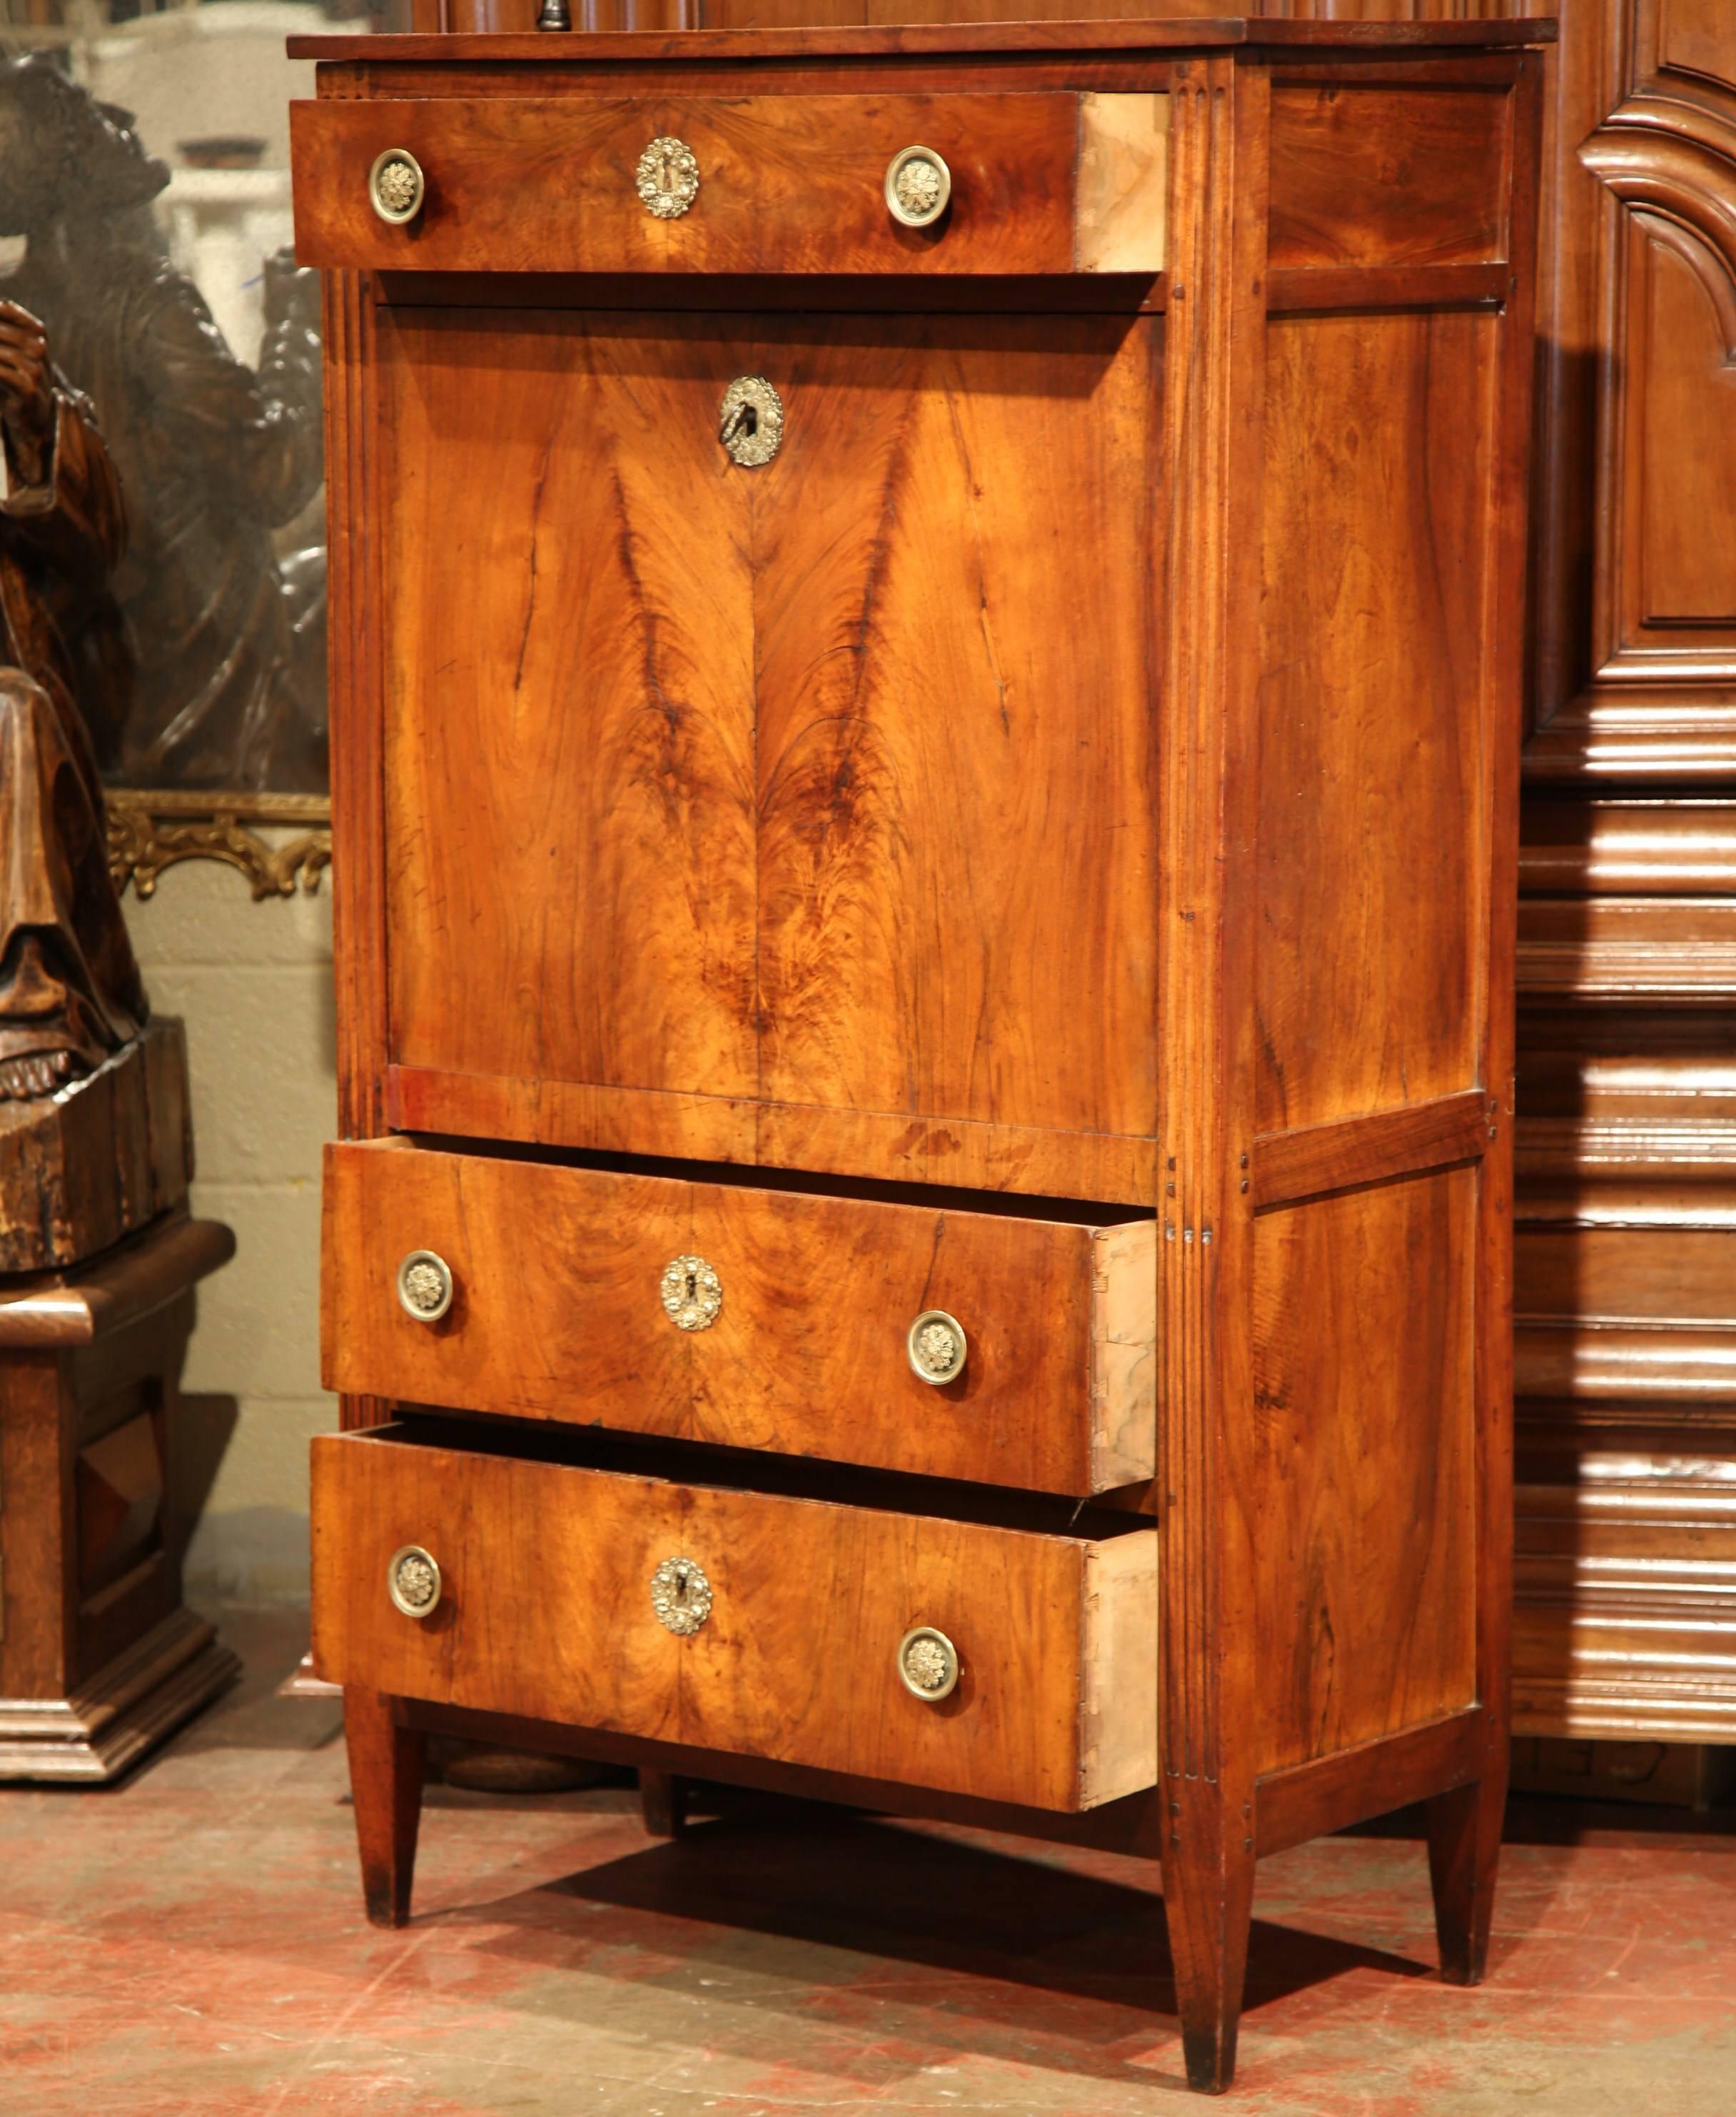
{"points": [[1041, 1952]]}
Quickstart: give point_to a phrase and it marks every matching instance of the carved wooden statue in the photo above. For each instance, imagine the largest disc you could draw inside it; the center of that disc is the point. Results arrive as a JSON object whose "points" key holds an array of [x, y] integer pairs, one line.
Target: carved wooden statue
{"points": [[98, 1255], [216, 455], [70, 990], [77, 1171]]}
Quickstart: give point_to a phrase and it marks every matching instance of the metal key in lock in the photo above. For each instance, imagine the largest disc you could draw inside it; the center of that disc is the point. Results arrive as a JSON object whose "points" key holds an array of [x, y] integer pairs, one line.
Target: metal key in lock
{"points": [[750, 422]]}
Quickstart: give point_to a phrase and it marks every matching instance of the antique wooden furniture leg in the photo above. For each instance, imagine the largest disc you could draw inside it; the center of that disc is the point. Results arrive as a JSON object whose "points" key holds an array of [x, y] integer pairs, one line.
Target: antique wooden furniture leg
{"points": [[1464, 1848], [663, 1802], [1208, 1902], [386, 1761]]}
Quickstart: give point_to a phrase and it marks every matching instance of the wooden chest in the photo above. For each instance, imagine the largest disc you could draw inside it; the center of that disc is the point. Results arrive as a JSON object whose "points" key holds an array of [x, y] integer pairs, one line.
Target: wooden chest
{"points": [[928, 631]]}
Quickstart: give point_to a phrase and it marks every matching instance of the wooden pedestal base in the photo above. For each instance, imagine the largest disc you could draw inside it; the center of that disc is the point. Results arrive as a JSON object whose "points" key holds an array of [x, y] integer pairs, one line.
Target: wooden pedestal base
{"points": [[105, 1728], [98, 1659]]}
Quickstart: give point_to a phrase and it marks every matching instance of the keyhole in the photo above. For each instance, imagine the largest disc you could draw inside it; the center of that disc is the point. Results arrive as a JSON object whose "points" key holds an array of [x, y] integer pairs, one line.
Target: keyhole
{"points": [[666, 172], [681, 1585], [692, 1286]]}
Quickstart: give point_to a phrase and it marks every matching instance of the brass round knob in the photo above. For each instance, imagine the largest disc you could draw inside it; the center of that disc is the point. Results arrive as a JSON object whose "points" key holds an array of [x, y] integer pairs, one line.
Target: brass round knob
{"points": [[666, 177], [927, 1664], [396, 186], [936, 1344], [680, 1596], [425, 1286], [413, 1581], [918, 187]]}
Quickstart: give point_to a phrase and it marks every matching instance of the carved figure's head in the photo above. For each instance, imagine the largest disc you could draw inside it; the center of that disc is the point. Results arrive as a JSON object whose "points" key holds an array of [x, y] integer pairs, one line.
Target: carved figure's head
{"points": [[69, 988], [63, 153]]}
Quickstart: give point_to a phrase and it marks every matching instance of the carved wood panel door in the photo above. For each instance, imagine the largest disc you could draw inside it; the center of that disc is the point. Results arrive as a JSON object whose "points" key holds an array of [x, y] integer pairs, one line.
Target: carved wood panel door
{"points": [[1626, 1262], [815, 851]]}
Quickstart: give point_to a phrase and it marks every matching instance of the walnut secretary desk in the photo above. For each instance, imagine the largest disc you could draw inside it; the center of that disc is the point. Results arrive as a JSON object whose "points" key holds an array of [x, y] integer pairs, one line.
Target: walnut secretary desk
{"points": [[926, 643]]}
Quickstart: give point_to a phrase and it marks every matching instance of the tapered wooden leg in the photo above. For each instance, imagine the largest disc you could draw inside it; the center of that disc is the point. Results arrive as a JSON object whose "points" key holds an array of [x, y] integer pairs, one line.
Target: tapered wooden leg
{"points": [[1464, 1848], [386, 1784], [1208, 1902], [663, 1803]]}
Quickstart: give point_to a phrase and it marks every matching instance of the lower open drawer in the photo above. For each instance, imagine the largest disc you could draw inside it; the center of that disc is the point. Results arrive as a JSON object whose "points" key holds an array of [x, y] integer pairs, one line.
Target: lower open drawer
{"points": [[489, 1574]]}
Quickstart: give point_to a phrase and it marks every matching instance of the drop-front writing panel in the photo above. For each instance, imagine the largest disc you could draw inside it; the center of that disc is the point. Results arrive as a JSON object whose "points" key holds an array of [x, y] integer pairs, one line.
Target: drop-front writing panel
{"points": [[696, 785]]}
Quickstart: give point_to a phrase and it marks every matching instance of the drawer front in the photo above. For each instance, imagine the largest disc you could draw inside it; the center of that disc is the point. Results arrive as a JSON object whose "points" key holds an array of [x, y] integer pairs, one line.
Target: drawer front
{"points": [[1040, 183], [546, 1609], [557, 1312]]}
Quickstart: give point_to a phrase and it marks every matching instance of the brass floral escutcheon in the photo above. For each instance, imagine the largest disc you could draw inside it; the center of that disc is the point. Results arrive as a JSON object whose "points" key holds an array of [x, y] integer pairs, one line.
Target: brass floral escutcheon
{"points": [[681, 1596], [750, 420], [667, 177], [691, 1294]]}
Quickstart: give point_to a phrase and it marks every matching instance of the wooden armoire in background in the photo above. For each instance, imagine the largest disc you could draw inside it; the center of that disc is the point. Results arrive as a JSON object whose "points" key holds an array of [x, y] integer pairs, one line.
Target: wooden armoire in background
{"points": [[1626, 1619], [1626, 1355]]}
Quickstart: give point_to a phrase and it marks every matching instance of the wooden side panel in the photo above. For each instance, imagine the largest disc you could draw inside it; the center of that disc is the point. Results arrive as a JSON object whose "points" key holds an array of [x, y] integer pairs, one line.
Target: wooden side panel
{"points": [[1119, 1667], [1124, 1354], [1371, 823], [1365, 1465], [557, 1315], [569, 739], [545, 1611], [1388, 176], [957, 854], [1123, 205]]}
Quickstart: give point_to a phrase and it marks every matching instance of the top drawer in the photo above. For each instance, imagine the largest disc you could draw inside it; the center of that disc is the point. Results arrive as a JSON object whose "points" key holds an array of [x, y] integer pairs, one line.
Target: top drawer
{"points": [[1039, 183], [999, 1348]]}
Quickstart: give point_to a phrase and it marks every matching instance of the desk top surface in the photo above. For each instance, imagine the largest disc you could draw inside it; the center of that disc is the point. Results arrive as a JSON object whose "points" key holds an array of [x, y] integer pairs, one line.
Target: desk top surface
{"points": [[936, 39]]}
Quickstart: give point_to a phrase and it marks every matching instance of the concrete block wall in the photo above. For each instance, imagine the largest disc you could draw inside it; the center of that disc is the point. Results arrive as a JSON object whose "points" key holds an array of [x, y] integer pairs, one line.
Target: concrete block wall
{"points": [[253, 983]]}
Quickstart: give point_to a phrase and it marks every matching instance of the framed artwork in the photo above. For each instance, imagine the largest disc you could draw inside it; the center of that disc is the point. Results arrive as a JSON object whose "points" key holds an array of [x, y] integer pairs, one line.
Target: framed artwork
{"points": [[148, 230]]}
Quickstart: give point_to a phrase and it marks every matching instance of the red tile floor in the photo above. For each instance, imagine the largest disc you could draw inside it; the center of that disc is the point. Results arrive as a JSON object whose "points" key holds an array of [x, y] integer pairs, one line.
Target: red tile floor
{"points": [[191, 1945]]}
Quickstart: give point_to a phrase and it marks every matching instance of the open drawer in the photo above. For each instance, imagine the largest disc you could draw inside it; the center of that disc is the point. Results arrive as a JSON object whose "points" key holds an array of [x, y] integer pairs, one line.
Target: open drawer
{"points": [[806, 1324], [1016, 1663], [1035, 183]]}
